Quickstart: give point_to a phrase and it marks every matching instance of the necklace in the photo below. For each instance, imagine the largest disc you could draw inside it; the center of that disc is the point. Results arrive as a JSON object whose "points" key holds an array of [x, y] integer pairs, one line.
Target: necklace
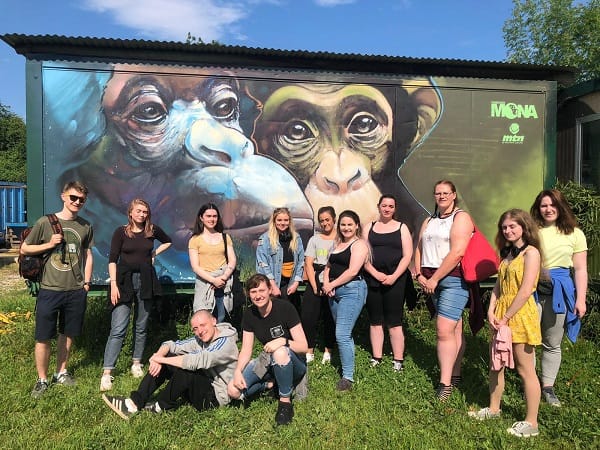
{"points": [[446, 215]]}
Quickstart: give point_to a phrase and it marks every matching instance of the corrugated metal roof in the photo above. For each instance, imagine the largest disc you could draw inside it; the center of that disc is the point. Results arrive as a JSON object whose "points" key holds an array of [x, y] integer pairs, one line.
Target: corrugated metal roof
{"points": [[86, 48]]}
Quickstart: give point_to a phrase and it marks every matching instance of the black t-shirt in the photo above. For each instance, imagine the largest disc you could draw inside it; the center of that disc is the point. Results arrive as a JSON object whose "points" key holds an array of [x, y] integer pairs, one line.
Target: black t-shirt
{"points": [[281, 319]]}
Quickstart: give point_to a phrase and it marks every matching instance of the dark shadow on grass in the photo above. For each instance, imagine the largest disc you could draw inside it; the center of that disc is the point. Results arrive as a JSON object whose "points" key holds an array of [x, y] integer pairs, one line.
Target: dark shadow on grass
{"points": [[168, 311]]}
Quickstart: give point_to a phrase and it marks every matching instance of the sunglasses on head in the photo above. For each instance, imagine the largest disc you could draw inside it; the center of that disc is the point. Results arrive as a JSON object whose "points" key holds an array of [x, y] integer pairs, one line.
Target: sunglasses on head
{"points": [[75, 198]]}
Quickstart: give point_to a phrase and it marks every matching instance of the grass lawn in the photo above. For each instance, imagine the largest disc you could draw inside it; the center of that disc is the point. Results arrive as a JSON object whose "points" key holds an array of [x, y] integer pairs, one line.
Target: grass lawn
{"points": [[385, 410]]}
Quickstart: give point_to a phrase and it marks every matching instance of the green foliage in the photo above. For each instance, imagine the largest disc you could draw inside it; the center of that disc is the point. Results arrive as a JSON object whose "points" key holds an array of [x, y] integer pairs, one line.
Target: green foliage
{"points": [[557, 32], [585, 203], [191, 39], [385, 409], [13, 150]]}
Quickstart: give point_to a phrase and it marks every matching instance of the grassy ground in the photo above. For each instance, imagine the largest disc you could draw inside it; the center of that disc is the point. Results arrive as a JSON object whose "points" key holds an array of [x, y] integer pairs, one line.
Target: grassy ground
{"points": [[385, 409]]}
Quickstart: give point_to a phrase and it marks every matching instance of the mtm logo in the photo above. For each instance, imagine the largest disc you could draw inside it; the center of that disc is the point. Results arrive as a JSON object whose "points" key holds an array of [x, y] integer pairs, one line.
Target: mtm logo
{"points": [[513, 111]]}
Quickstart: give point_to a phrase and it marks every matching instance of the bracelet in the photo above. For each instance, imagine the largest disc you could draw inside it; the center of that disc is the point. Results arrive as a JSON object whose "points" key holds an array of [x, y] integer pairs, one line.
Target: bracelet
{"points": [[416, 276], [505, 317]]}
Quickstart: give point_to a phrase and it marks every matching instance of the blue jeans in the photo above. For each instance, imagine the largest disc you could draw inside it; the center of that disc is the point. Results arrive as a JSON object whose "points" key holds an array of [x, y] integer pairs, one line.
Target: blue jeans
{"points": [[119, 321], [345, 308], [286, 376]]}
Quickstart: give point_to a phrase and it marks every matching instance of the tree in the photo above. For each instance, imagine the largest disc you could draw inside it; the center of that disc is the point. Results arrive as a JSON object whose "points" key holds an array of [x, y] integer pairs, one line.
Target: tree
{"points": [[191, 39], [555, 32], [13, 149]]}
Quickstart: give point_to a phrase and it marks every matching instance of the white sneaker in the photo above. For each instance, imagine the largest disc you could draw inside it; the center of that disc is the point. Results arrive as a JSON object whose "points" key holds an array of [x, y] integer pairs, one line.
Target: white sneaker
{"points": [[310, 357], [106, 383], [326, 358], [137, 371]]}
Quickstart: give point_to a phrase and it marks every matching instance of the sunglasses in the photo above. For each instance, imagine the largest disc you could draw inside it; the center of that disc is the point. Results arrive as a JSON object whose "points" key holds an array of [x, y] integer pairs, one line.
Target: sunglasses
{"points": [[75, 198]]}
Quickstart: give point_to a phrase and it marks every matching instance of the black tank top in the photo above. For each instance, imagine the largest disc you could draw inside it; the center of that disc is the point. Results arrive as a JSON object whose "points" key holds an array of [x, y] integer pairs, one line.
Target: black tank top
{"points": [[387, 250], [339, 262]]}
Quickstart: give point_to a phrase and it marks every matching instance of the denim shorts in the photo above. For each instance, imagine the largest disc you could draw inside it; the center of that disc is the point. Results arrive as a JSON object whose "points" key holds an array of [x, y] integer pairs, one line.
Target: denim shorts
{"points": [[450, 297]]}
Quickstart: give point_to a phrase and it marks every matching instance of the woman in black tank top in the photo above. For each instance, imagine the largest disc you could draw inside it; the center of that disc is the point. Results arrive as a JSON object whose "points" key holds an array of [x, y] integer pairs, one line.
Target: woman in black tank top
{"points": [[343, 282], [392, 249]]}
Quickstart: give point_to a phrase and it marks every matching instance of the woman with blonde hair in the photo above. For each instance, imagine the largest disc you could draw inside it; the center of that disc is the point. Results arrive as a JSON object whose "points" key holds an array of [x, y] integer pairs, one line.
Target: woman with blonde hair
{"points": [[280, 256], [512, 305], [133, 283]]}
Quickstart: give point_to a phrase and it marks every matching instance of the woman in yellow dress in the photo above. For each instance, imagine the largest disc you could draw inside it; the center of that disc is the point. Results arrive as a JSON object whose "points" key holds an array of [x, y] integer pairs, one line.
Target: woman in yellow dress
{"points": [[512, 304]]}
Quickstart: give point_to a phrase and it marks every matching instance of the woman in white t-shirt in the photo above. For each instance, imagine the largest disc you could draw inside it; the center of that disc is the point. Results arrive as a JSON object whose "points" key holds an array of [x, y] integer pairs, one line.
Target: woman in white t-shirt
{"points": [[562, 296]]}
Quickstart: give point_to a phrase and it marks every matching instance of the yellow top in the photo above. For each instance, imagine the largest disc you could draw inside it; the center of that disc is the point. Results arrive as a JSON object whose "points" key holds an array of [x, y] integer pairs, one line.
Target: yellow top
{"points": [[210, 256]]}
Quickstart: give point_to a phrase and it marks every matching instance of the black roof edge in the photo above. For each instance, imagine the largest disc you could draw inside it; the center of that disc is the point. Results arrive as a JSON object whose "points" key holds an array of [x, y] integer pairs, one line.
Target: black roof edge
{"points": [[90, 48]]}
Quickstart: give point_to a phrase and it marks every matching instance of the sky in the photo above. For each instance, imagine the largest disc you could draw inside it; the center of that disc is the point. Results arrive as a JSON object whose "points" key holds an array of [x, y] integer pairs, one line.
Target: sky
{"points": [[459, 29]]}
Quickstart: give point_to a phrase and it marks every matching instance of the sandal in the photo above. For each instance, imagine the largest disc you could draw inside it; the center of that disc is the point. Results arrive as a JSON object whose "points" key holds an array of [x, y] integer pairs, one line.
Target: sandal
{"points": [[443, 392]]}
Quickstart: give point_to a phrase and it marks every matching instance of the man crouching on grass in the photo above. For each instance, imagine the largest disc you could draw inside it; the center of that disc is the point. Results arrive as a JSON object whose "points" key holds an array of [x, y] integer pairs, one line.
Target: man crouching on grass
{"points": [[198, 369], [276, 325]]}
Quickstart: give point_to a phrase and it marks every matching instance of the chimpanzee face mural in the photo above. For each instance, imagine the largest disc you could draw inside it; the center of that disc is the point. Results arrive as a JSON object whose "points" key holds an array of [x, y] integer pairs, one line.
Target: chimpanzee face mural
{"points": [[338, 141]]}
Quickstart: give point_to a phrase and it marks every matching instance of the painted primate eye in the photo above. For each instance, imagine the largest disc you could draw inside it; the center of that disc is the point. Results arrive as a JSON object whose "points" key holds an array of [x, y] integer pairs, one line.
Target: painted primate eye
{"points": [[151, 113], [362, 124], [222, 101], [224, 109], [296, 130]]}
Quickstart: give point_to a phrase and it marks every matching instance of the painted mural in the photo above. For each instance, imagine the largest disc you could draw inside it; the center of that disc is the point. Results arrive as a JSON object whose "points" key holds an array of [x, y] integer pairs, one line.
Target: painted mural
{"points": [[250, 141]]}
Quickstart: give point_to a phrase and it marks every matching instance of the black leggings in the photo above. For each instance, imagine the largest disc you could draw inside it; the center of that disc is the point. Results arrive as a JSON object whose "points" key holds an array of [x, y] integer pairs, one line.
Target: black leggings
{"points": [[313, 308], [192, 386]]}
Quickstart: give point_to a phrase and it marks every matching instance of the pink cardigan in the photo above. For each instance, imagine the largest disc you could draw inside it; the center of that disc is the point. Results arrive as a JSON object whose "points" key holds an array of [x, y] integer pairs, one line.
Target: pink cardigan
{"points": [[502, 354]]}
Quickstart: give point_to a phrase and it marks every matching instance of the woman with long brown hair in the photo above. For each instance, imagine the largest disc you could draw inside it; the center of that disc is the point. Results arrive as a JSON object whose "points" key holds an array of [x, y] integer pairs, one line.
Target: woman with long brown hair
{"points": [[512, 305], [562, 296]]}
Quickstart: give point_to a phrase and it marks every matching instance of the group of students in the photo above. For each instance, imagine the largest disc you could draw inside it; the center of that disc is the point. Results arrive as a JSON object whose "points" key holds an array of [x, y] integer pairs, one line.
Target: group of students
{"points": [[540, 292]]}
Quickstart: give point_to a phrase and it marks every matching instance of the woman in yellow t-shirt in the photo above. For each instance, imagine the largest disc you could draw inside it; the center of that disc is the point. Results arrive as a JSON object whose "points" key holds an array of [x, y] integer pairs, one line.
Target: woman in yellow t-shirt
{"points": [[562, 297], [213, 261]]}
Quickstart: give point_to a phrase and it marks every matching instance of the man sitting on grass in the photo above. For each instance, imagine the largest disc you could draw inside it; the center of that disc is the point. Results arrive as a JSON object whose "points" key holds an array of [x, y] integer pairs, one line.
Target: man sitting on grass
{"points": [[198, 369], [276, 325]]}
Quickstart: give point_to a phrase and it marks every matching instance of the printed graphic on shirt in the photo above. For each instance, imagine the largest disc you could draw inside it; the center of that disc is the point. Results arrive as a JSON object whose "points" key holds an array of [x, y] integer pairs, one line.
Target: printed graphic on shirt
{"points": [[277, 331], [65, 255]]}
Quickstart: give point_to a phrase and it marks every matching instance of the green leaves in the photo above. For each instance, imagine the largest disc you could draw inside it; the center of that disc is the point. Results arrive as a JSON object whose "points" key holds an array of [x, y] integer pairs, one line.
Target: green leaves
{"points": [[557, 32], [13, 150]]}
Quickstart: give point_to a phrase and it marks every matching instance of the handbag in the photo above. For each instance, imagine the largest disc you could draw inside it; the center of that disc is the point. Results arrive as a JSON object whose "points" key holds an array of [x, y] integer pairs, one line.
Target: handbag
{"points": [[480, 260]]}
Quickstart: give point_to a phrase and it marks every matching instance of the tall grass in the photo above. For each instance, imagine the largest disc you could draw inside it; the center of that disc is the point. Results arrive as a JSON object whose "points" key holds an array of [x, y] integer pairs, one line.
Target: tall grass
{"points": [[384, 410]]}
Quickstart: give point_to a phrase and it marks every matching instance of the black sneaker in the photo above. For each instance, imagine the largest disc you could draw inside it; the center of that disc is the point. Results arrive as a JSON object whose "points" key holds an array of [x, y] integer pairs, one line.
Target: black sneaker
{"points": [[344, 385], [119, 405], [65, 378], [285, 413], [40, 387]]}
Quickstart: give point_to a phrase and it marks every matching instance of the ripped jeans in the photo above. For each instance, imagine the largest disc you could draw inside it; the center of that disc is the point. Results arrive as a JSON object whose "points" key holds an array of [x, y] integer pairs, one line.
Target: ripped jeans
{"points": [[286, 377]]}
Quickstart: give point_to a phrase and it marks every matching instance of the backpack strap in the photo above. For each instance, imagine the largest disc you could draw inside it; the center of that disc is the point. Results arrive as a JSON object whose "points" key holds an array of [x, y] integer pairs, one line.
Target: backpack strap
{"points": [[55, 224], [57, 229]]}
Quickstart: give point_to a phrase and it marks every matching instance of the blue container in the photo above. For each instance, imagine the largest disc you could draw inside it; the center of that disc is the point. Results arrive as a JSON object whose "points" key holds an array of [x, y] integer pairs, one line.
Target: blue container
{"points": [[13, 208]]}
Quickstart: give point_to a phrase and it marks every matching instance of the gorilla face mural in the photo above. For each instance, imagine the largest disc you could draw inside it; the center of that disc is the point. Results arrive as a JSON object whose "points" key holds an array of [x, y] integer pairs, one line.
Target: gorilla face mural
{"points": [[338, 140], [176, 141]]}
